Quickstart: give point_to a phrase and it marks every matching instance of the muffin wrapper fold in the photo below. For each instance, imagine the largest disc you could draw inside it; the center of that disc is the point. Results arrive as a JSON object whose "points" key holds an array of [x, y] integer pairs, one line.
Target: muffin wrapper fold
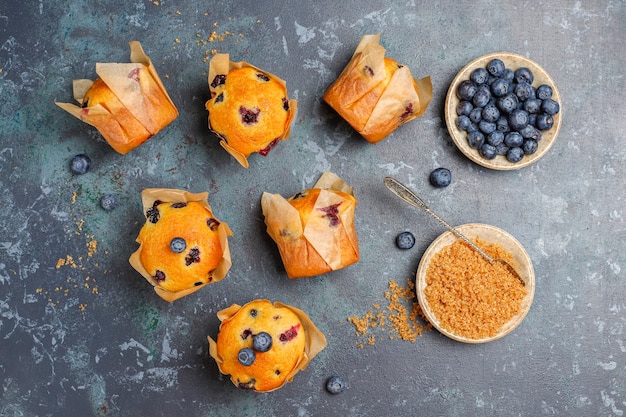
{"points": [[372, 108], [315, 339], [168, 195], [309, 249], [221, 64], [141, 106]]}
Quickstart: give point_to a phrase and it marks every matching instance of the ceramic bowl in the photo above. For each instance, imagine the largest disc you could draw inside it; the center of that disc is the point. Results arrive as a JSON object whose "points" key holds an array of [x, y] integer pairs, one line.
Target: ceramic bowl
{"points": [[489, 234], [512, 61]]}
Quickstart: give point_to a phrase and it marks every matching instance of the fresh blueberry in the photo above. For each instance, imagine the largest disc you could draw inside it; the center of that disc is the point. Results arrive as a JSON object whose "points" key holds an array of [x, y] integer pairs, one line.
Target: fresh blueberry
{"points": [[508, 74], [524, 75], [502, 124], [486, 127], [529, 132], [487, 151], [502, 149], [475, 139], [108, 202], [499, 87], [481, 98], [464, 108], [476, 115], [440, 177], [518, 119], [544, 92], [178, 245], [532, 105], [529, 146], [335, 385], [246, 356], [262, 342], [479, 76], [80, 164], [495, 138], [496, 67], [405, 240], [463, 122], [550, 106], [532, 119], [524, 91], [507, 103], [466, 90], [490, 113], [544, 121], [515, 154], [513, 140]]}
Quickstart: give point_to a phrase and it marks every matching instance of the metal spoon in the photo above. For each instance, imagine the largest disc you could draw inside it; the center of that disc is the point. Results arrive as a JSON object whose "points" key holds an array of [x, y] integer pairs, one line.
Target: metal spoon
{"points": [[411, 198]]}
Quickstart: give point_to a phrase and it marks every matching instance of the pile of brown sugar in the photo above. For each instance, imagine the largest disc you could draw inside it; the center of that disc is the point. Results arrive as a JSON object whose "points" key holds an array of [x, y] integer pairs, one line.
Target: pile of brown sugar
{"points": [[470, 296], [402, 318]]}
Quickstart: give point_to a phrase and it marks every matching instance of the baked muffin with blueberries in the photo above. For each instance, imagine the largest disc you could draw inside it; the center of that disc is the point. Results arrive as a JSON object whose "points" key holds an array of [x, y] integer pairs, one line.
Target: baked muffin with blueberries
{"points": [[314, 228], [248, 109], [263, 345], [182, 245]]}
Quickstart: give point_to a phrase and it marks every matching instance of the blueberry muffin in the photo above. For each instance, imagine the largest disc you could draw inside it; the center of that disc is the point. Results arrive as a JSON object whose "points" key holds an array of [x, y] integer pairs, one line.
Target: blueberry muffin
{"points": [[314, 229], [183, 246], [127, 103], [249, 109], [376, 94], [262, 345]]}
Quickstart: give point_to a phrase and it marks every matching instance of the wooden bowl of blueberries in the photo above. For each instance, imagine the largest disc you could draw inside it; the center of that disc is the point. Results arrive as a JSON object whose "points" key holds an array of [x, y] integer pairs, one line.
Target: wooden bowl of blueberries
{"points": [[503, 111]]}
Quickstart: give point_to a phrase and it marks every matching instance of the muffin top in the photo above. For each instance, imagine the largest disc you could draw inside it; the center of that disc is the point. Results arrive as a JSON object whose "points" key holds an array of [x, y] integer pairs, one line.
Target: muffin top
{"points": [[260, 345], [249, 110], [180, 245]]}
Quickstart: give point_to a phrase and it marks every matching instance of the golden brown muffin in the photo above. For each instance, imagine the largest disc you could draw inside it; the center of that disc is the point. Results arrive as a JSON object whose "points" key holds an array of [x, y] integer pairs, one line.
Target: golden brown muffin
{"points": [[375, 94], [128, 103], [249, 109], [314, 229], [262, 345], [182, 247]]}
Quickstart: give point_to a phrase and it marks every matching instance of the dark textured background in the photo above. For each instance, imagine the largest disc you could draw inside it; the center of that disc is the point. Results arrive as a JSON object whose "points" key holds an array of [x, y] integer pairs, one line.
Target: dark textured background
{"points": [[92, 338]]}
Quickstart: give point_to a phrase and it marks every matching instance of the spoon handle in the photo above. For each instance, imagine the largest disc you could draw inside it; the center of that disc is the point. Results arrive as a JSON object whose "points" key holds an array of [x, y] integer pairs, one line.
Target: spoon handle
{"points": [[413, 199]]}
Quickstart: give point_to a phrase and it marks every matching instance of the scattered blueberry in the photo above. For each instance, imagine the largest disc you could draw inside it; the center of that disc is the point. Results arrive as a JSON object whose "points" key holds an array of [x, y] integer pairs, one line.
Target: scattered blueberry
{"points": [[463, 122], [80, 164], [476, 115], [405, 240], [499, 87], [481, 98], [502, 124], [532, 105], [441, 177], [262, 342], [246, 356], [490, 113], [108, 202], [495, 138], [507, 103], [486, 127], [335, 385], [178, 245], [524, 91]]}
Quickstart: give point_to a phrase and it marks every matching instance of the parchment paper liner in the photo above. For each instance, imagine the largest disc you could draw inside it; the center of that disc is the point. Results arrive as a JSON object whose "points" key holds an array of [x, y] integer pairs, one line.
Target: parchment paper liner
{"points": [[169, 195], [309, 247], [315, 340], [142, 108], [371, 108], [221, 64]]}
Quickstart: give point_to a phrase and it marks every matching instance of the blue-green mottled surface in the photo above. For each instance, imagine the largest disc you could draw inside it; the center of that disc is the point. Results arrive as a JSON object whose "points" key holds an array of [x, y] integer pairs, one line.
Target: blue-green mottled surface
{"points": [[92, 339]]}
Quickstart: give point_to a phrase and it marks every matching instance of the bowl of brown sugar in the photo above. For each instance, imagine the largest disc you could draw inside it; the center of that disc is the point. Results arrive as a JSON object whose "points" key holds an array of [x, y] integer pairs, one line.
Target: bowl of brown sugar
{"points": [[466, 297]]}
